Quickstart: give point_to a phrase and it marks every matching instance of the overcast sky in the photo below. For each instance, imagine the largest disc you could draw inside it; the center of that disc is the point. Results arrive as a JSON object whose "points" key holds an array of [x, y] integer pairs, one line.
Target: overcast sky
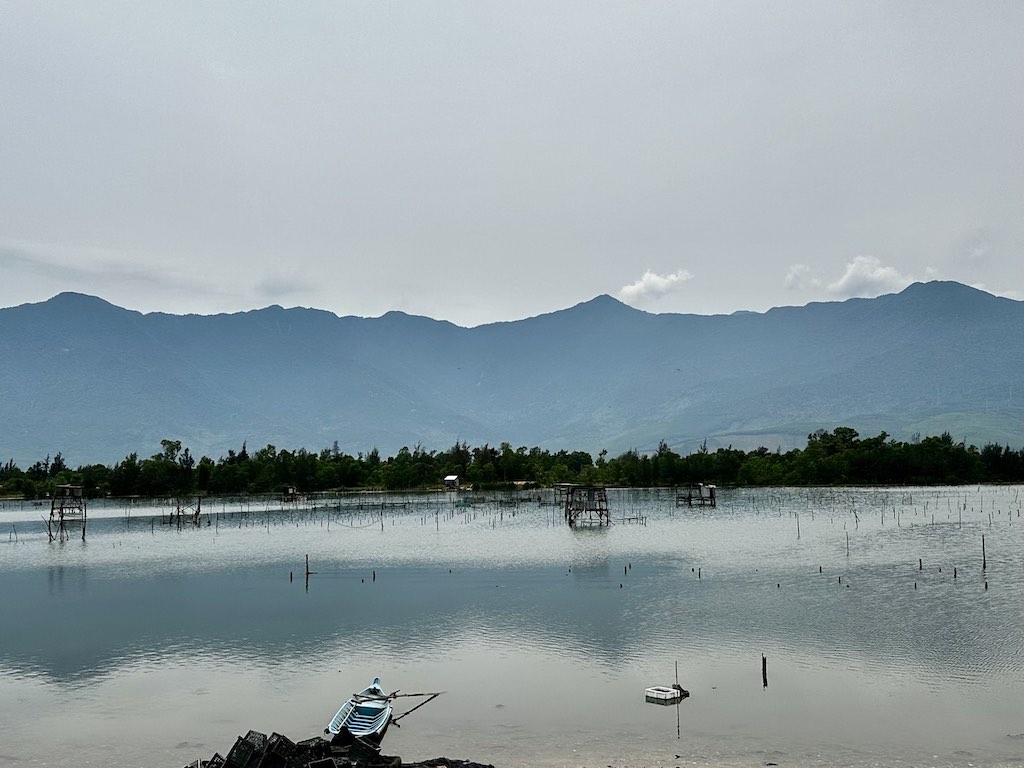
{"points": [[476, 161]]}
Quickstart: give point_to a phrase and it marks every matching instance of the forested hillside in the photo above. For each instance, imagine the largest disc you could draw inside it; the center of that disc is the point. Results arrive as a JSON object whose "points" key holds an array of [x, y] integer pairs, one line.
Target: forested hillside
{"points": [[98, 382]]}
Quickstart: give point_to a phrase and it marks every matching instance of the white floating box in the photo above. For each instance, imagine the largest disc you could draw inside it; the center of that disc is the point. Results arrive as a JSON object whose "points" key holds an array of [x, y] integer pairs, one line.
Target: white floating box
{"points": [[662, 694]]}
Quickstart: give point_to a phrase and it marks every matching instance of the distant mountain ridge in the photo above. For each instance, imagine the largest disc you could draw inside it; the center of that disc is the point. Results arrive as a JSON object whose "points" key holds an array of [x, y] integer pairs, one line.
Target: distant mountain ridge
{"points": [[95, 381]]}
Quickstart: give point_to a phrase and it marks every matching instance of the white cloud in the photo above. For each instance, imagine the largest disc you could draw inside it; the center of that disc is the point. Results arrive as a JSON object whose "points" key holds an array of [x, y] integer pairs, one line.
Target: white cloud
{"points": [[653, 286], [867, 277], [800, 277]]}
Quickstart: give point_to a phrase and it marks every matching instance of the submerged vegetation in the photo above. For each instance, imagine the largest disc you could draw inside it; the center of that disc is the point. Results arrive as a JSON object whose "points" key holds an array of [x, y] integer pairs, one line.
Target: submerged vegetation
{"points": [[839, 457]]}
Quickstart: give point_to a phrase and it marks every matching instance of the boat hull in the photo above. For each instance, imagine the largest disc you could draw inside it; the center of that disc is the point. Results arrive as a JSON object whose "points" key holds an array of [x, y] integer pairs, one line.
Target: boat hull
{"points": [[365, 716]]}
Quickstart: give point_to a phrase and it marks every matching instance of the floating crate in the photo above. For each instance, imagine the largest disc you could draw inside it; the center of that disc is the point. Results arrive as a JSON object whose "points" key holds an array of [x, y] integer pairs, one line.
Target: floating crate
{"points": [[663, 694]]}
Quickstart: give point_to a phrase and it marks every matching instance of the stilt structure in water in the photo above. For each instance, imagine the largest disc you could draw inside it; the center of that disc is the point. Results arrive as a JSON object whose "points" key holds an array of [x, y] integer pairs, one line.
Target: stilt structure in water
{"points": [[67, 509], [702, 495], [586, 505], [186, 512]]}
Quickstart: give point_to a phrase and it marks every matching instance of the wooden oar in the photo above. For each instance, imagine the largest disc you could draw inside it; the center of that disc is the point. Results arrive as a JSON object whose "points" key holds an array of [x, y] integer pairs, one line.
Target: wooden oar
{"points": [[431, 697]]}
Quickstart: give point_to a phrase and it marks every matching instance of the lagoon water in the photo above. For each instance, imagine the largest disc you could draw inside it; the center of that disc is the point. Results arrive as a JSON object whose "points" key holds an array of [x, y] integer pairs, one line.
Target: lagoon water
{"points": [[150, 645]]}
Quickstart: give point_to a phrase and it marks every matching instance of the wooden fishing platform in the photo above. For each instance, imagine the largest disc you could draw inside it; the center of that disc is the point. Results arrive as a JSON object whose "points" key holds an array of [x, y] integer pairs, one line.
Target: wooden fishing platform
{"points": [[67, 508], [585, 505], [186, 513], [701, 495]]}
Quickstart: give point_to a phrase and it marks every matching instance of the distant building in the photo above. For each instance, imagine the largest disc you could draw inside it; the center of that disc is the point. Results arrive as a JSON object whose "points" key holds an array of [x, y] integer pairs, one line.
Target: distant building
{"points": [[451, 482]]}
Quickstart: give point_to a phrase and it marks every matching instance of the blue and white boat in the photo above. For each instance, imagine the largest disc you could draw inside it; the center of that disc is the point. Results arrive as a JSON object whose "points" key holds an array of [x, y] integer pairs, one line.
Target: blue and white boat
{"points": [[366, 716]]}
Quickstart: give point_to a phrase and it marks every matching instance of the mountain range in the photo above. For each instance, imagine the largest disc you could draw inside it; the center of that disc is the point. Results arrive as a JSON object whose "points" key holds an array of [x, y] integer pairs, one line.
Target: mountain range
{"points": [[96, 382]]}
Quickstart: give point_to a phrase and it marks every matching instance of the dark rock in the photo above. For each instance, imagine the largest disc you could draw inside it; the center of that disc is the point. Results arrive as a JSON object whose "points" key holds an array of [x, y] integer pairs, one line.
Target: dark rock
{"points": [[256, 750]]}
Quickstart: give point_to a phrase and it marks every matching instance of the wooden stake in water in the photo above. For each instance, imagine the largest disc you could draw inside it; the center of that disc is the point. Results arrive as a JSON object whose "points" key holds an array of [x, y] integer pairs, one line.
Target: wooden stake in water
{"points": [[308, 573], [678, 688], [984, 562]]}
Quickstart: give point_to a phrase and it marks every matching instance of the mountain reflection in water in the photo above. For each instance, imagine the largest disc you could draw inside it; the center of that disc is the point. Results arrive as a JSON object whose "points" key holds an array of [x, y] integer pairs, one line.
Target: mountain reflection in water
{"points": [[170, 643]]}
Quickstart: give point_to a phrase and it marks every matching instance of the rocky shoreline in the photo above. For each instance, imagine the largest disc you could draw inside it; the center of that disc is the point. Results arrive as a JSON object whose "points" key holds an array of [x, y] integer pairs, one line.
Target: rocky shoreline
{"points": [[257, 750]]}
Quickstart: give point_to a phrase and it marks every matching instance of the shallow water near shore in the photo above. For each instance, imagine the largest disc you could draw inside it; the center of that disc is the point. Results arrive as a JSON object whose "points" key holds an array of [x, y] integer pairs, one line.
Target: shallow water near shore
{"points": [[150, 644]]}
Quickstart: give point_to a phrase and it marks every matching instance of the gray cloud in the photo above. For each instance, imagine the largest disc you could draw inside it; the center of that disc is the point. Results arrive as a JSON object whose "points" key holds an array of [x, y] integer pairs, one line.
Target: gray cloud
{"points": [[84, 269], [281, 287]]}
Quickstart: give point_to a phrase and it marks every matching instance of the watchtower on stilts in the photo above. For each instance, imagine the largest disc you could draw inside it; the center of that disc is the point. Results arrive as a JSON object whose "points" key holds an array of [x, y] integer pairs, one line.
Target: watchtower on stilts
{"points": [[586, 505], [185, 512], [67, 508]]}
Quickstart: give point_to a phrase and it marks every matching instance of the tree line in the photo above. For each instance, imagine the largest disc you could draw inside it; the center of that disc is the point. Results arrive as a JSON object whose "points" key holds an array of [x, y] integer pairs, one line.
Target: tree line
{"points": [[840, 457]]}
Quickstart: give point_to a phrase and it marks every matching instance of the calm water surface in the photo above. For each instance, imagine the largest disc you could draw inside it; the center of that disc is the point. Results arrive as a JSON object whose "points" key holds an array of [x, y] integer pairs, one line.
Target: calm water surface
{"points": [[150, 645]]}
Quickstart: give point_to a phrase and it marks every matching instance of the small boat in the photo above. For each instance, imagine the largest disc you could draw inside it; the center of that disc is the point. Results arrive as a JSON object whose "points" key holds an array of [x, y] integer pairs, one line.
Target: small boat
{"points": [[366, 716]]}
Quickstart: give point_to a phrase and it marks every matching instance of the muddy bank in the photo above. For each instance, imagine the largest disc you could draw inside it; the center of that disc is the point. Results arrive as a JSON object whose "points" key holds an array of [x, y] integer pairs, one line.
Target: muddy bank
{"points": [[257, 750]]}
